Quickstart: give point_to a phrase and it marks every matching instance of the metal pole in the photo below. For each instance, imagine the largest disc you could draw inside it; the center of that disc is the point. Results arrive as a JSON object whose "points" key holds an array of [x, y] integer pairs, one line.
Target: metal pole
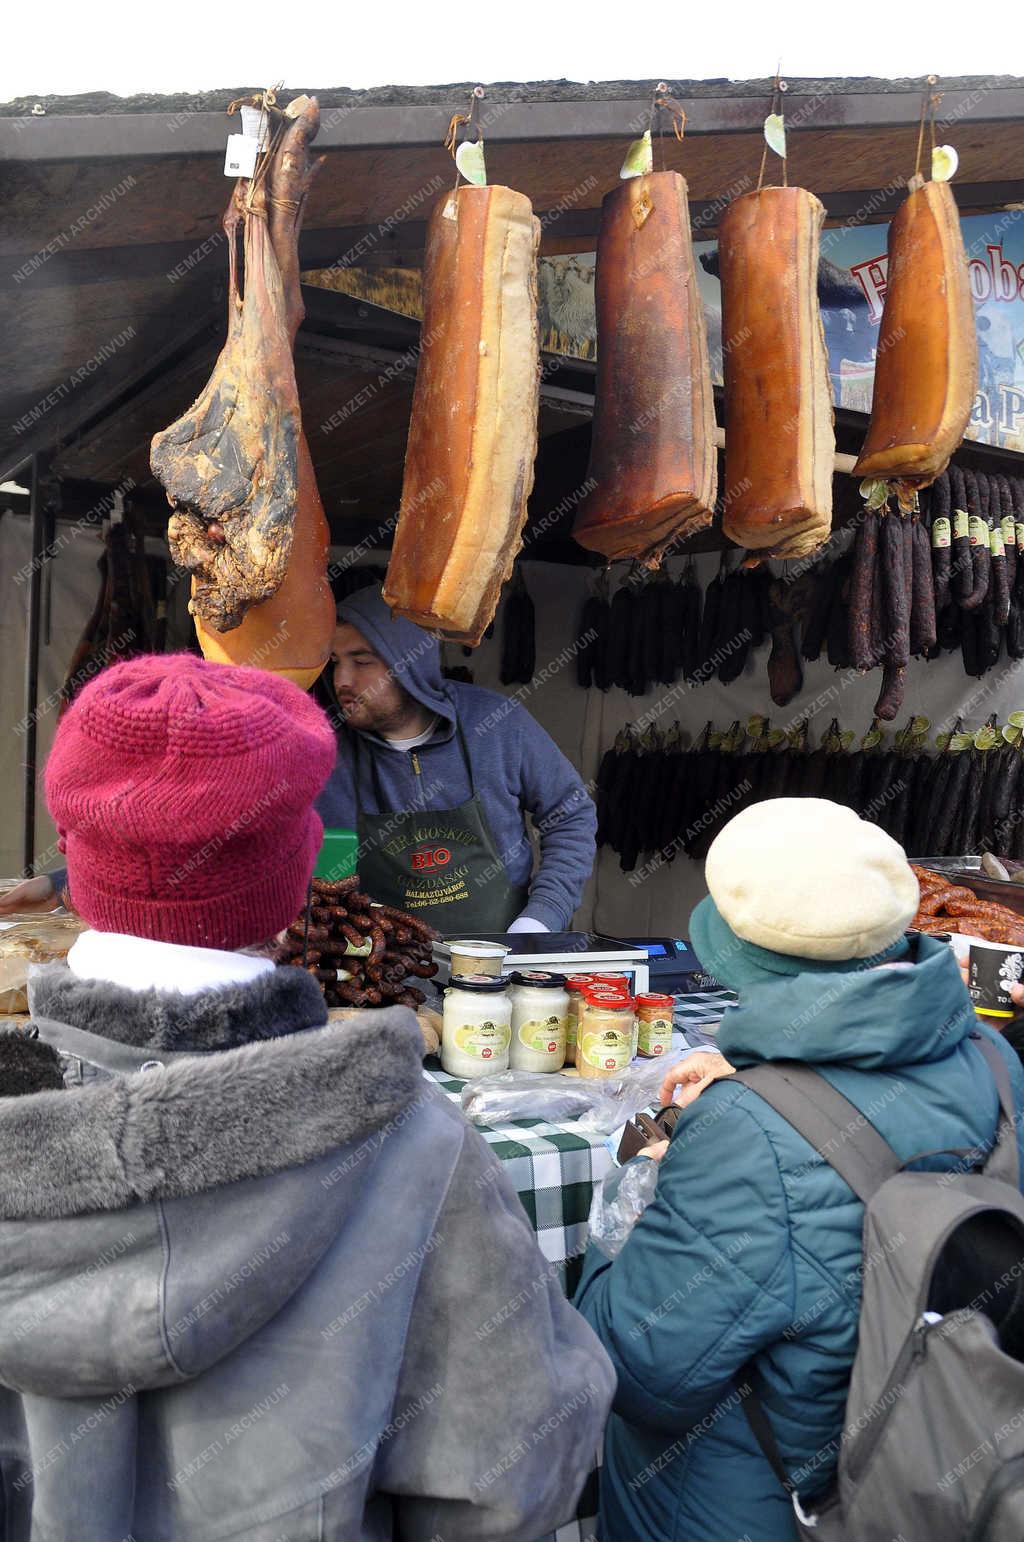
{"points": [[35, 589]]}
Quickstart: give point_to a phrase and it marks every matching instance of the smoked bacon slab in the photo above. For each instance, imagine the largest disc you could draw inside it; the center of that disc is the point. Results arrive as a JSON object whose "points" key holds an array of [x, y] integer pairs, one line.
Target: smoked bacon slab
{"points": [[926, 368], [779, 436], [473, 432], [653, 465]]}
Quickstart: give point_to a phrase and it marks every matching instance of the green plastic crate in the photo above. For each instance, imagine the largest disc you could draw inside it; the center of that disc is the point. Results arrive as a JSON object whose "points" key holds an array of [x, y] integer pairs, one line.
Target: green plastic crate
{"points": [[338, 855]]}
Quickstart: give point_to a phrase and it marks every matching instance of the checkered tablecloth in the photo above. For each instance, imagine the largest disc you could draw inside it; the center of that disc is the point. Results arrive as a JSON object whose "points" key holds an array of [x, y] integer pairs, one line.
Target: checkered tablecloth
{"points": [[553, 1169]]}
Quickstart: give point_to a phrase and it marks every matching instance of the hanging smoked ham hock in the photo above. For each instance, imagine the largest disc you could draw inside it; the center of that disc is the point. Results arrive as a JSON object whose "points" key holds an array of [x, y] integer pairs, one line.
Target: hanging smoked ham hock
{"points": [[248, 522]]}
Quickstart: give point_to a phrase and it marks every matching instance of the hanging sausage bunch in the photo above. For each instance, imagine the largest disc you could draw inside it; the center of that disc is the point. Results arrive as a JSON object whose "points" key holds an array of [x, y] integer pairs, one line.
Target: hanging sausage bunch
{"points": [[656, 631], [657, 798], [363, 954], [939, 577]]}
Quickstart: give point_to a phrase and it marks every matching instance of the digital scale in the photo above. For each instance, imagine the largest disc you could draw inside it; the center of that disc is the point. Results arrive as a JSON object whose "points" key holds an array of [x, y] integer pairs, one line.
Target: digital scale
{"points": [[561, 952], [666, 964], [674, 968]]}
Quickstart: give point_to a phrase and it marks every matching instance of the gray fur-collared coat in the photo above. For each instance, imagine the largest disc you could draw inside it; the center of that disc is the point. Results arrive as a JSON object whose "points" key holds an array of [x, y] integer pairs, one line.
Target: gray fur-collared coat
{"points": [[259, 1280]]}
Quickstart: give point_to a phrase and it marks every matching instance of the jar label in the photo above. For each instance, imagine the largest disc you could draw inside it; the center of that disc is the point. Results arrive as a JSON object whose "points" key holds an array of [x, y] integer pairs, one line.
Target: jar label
{"points": [[609, 1049], [655, 1037], [1009, 530], [485, 1041], [544, 1035]]}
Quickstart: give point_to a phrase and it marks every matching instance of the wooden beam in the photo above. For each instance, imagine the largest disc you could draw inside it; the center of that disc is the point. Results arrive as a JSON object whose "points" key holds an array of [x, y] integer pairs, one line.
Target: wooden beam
{"points": [[402, 246]]}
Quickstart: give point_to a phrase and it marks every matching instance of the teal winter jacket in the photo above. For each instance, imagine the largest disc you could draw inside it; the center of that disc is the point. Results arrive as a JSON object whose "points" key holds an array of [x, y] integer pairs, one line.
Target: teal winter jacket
{"points": [[751, 1248]]}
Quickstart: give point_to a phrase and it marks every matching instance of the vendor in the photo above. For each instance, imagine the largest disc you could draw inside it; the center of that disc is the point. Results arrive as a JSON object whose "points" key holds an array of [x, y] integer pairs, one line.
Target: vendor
{"points": [[437, 778]]}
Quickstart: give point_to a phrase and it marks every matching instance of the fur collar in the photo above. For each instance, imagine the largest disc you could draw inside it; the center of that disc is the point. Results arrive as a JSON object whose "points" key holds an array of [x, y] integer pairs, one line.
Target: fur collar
{"points": [[274, 1004], [197, 1123]]}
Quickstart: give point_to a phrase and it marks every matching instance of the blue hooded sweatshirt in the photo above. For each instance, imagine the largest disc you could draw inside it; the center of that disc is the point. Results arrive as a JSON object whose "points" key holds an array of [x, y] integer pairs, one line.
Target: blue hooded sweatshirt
{"points": [[517, 768], [751, 1248]]}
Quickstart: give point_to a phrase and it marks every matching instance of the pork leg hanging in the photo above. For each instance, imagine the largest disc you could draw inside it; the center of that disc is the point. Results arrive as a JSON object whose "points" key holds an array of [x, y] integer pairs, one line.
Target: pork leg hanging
{"points": [[652, 458], [473, 433], [779, 440], [249, 522], [927, 362]]}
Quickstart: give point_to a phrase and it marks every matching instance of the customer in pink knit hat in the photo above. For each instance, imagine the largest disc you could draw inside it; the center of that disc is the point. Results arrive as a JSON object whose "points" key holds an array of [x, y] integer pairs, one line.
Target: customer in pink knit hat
{"points": [[249, 1260]]}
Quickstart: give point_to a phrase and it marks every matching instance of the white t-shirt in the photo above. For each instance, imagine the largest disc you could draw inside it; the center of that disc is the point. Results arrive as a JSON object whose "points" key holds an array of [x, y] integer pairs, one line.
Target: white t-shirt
{"points": [[416, 740]]}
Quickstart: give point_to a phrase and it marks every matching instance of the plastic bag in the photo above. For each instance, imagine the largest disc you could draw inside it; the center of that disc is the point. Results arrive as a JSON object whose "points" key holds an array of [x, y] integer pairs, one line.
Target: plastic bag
{"points": [[598, 1106], [32, 939], [618, 1203]]}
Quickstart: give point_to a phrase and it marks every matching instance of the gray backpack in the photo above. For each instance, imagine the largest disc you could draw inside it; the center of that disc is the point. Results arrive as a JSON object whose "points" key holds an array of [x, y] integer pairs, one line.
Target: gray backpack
{"points": [[932, 1445]]}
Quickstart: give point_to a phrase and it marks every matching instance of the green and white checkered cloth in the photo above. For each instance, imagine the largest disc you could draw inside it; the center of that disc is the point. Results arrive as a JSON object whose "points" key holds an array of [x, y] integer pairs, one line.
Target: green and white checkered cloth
{"points": [[553, 1170]]}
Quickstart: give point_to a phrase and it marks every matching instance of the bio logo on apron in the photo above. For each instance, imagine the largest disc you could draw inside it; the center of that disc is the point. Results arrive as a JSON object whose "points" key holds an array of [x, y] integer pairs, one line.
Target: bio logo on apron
{"points": [[441, 861]]}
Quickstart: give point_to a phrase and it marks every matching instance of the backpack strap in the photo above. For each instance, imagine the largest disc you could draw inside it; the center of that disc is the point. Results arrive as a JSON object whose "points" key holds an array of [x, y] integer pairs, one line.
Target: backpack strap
{"points": [[1004, 1158], [847, 1140], [843, 1136]]}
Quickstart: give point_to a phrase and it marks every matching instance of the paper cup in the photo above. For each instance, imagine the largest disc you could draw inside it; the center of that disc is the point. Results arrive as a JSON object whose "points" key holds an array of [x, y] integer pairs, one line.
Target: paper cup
{"points": [[992, 968]]}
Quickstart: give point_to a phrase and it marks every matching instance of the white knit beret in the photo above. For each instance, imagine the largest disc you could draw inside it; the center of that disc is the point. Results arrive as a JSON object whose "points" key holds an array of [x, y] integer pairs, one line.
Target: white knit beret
{"points": [[807, 877]]}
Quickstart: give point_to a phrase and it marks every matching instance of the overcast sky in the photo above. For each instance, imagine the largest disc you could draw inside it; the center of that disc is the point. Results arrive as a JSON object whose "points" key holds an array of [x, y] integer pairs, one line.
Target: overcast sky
{"points": [[54, 47]]}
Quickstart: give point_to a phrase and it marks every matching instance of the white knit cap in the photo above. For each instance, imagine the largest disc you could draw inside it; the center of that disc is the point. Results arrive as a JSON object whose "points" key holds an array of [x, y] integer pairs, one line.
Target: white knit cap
{"points": [[807, 877]]}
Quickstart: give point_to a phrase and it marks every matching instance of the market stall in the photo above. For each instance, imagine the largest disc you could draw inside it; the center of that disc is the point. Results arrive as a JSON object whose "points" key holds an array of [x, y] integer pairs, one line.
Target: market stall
{"points": [[741, 518]]}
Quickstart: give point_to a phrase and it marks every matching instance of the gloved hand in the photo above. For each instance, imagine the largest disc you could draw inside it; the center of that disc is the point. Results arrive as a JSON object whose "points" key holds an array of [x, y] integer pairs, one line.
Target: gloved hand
{"points": [[528, 924]]}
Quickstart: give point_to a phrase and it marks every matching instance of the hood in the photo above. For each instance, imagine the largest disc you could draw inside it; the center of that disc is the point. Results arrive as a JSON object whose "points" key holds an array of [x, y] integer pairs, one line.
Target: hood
{"points": [[895, 1013], [413, 655], [135, 1205]]}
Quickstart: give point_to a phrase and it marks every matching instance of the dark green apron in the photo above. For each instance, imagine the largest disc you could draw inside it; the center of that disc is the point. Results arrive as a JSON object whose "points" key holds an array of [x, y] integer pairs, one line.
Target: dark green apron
{"points": [[440, 864]]}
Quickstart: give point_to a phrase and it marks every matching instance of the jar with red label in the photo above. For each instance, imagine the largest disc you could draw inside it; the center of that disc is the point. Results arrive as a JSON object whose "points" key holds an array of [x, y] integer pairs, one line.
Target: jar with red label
{"points": [[604, 1039], [654, 1024], [575, 985]]}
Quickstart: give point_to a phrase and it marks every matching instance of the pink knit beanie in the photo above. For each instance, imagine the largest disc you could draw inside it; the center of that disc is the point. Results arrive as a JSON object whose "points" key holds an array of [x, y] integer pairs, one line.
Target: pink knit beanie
{"points": [[182, 792]]}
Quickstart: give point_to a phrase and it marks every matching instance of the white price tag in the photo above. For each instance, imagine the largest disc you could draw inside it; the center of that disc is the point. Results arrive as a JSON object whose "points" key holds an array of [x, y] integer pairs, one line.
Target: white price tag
{"points": [[240, 159], [255, 125]]}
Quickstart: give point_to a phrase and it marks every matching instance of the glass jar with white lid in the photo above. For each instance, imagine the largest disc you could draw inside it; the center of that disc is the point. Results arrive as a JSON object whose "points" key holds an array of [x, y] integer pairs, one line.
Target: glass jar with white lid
{"points": [[540, 1011], [476, 1026]]}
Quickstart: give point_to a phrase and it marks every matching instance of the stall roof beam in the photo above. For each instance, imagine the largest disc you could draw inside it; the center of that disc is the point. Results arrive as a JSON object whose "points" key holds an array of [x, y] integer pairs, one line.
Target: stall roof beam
{"points": [[326, 248], [820, 105]]}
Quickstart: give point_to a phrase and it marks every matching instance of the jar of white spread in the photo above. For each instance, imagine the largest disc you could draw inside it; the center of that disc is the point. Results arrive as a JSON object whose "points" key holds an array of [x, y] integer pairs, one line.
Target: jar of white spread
{"points": [[540, 1009], [476, 1027]]}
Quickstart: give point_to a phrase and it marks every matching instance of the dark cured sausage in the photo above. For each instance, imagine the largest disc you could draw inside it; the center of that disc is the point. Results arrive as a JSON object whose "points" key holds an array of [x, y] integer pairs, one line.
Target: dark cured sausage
{"points": [[961, 570], [890, 698], [1000, 569], [862, 583], [922, 598], [1009, 529], [980, 554], [942, 536], [894, 589]]}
